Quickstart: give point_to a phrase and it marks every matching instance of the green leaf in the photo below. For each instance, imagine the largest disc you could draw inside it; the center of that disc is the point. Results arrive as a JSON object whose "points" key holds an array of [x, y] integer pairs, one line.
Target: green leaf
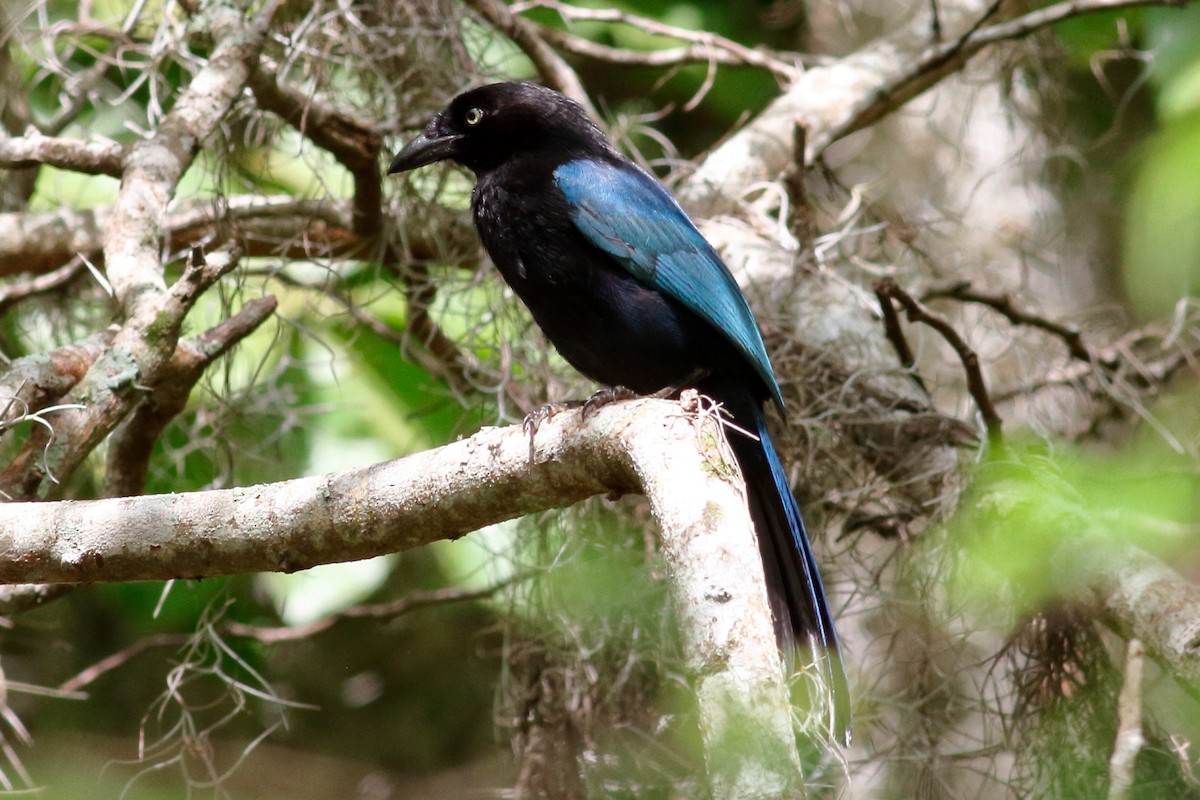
{"points": [[1162, 238]]}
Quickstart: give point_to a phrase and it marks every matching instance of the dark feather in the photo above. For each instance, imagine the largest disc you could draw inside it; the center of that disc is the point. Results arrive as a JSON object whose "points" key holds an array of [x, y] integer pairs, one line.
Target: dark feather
{"points": [[631, 294]]}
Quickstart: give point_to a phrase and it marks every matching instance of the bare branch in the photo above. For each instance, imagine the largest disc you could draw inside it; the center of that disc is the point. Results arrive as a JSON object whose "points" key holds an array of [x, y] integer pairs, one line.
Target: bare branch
{"points": [[153, 168], [680, 461], [914, 75], [15, 116], [410, 602], [801, 221], [354, 143], [151, 316], [836, 99], [1139, 597], [376, 611], [132, 443], [261, 226], [888, 290], [13, 293], [1003, 304], [91, 158], [893, 328], [704, 47], [1129, 724], [200, 273], [31, 383], [1138, 363], [393, 506]]}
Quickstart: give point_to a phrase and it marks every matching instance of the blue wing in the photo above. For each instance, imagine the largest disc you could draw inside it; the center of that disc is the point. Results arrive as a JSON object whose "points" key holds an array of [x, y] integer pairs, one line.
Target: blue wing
{"points": [[628, 214]]}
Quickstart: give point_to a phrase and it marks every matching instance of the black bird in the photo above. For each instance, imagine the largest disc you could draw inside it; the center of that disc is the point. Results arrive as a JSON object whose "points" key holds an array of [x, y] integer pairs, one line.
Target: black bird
{"points": [[629, 292]]}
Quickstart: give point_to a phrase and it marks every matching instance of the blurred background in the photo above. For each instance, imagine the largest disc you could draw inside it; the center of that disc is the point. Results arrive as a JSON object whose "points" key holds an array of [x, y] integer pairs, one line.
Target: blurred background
{"points": [[1058, 173]]}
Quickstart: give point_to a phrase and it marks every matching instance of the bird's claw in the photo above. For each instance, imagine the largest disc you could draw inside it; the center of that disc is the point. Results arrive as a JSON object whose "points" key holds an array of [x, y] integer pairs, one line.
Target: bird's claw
{"points": [[603, 397], [534, 419]]}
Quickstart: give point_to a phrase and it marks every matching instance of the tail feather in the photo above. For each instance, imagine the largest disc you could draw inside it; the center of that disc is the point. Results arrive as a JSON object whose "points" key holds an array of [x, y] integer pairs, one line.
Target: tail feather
{"points": [[795, 591]]}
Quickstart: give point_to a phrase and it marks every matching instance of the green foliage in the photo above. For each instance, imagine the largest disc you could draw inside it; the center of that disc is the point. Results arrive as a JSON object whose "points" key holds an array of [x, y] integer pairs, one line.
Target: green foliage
{"points": [[319, 392], [1088, 36], [1162, 244], [1162, 249], [1031, 504], [1148, 64]]}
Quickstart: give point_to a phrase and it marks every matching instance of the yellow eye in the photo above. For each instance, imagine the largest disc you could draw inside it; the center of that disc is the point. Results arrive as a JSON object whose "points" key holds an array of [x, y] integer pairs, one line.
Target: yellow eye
{"points": [[473, 116]]}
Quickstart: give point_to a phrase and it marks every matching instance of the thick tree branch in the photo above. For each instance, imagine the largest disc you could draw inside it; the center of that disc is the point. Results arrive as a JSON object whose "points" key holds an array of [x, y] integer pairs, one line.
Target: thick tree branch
{"points": [[91, 158], [260, 226], [31, 383], [831, 101], [679, 460], [151, 315], [1139, 597], [153, 168], [352, 143], [287, 526], [132, 443]]}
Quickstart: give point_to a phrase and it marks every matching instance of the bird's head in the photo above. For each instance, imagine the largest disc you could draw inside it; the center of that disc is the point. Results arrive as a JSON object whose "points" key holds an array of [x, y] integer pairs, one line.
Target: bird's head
{"points": [[484, 127]]}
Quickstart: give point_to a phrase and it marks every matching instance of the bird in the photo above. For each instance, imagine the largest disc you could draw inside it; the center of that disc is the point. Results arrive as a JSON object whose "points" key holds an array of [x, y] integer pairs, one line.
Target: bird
{"points": [[632, 295]]}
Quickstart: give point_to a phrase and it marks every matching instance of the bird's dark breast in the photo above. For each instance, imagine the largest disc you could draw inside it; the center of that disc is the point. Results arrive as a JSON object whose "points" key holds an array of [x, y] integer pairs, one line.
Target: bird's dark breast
{"points": [[602, 320]]}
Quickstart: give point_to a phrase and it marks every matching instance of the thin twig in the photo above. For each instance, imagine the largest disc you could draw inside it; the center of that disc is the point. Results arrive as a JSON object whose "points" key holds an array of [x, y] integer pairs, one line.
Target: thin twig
{"points": [[527, 35], [917, 312], [801, 221], [702, 48], [377, 611], [1002, 303], [894, 330], [1130, 739], [132, 443], [719, 49], [289, 633], [14, 293]]}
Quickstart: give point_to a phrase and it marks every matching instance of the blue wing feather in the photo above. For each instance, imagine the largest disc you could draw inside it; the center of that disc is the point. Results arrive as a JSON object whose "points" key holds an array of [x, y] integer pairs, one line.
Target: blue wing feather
{"points": [[628, 214]]}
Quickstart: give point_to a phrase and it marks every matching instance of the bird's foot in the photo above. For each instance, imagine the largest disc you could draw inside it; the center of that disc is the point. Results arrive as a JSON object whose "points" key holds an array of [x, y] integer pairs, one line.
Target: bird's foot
{"points": [[612, 394], [534, 419]]}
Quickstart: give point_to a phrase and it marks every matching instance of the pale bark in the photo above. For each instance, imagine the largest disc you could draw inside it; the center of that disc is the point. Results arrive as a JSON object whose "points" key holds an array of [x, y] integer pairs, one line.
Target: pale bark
{"points": [[679, 460]]}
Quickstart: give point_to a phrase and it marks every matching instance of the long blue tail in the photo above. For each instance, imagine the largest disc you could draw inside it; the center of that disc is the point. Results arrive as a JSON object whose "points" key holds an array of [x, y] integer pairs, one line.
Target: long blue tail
{"points": [[802, 618]]}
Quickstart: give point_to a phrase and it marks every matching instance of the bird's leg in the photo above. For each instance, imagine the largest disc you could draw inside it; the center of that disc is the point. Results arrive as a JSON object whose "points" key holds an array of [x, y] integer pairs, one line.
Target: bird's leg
{"points": [[610, 394], [613, 394]]}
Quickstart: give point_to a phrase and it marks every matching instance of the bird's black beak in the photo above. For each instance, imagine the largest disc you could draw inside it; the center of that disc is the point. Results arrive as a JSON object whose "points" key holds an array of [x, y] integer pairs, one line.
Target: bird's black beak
{"points": [[425, 149]]}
